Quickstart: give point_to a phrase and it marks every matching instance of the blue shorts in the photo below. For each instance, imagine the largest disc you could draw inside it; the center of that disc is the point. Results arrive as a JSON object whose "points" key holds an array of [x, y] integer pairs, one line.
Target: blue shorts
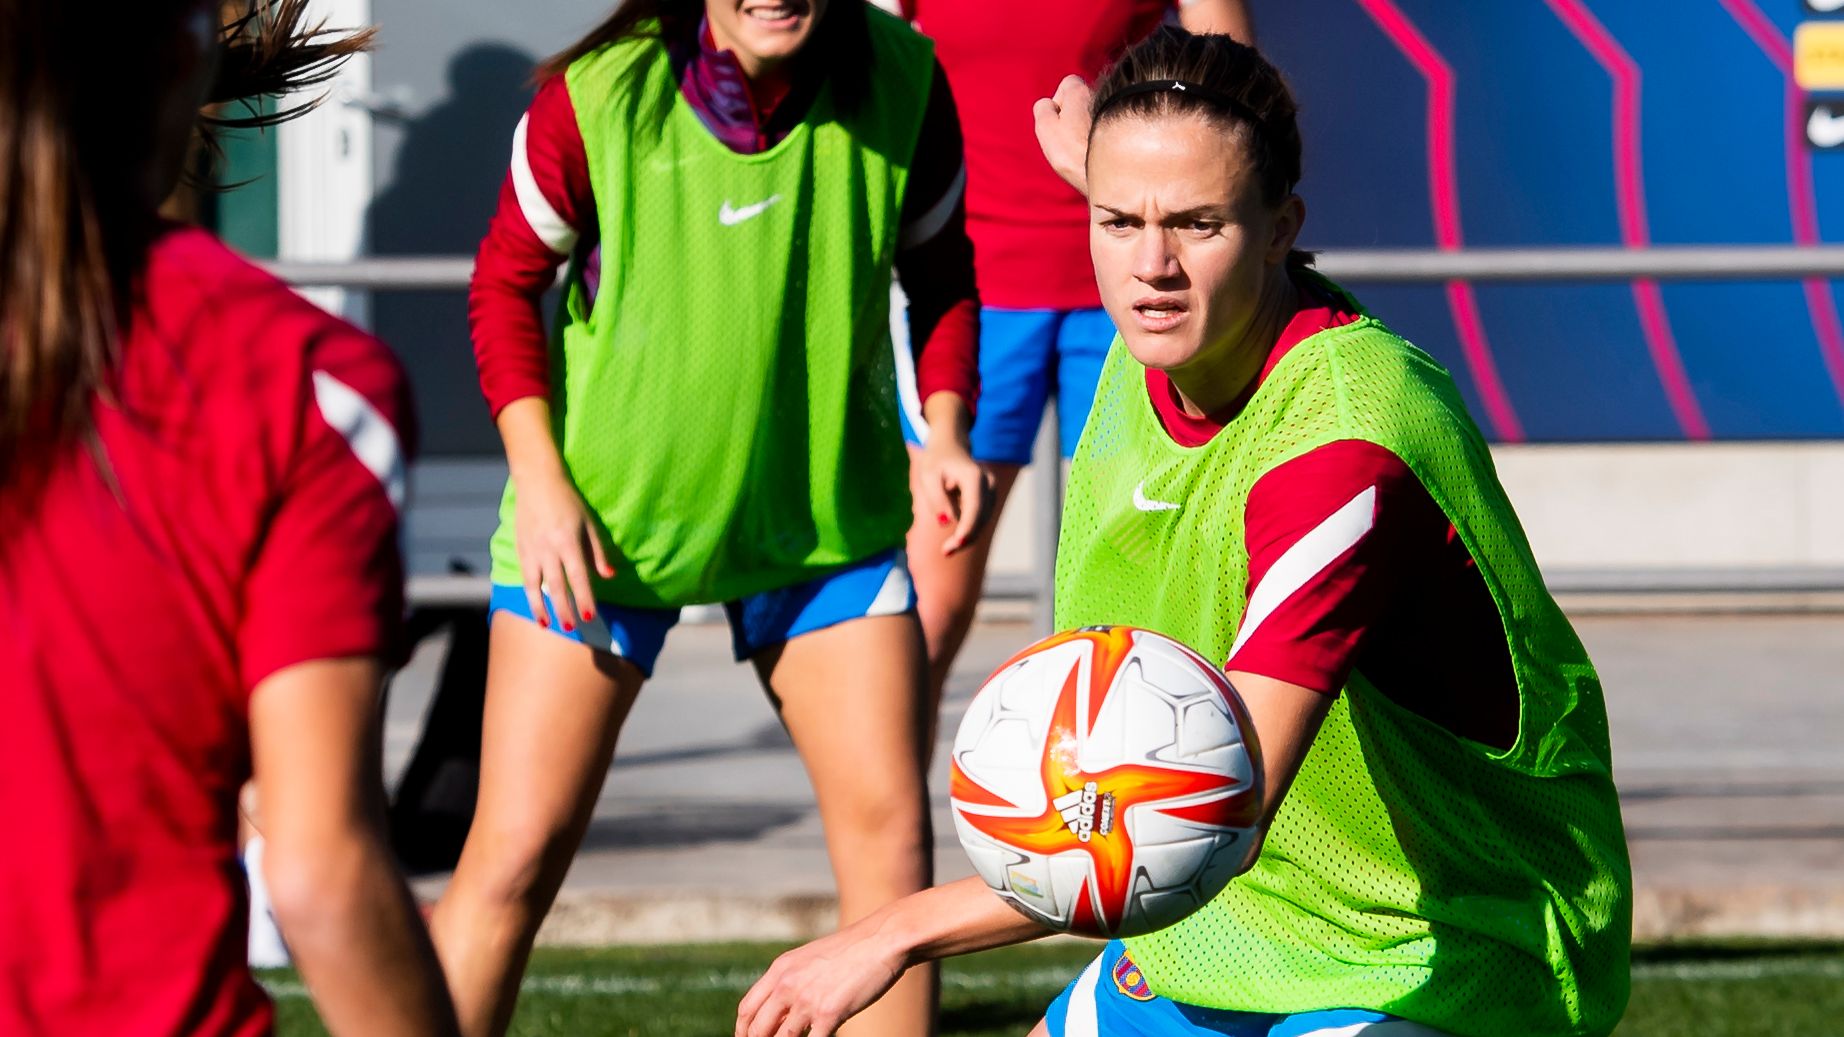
{"points": [[1111, 997], [878, 586], [1020, 352]]}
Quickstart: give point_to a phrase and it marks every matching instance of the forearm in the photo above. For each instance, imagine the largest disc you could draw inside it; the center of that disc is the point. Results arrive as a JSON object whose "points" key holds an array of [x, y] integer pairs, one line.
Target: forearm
{"points": [[531, 448], [961, 917], [818, 986], [948, 415], [356, 937], [505, 301], [1286, 719]]}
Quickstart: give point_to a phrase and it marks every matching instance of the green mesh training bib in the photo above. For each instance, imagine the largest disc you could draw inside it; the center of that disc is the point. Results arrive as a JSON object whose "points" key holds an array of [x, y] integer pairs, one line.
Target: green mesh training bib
{"points": [[727, 405], [1409, 871]]}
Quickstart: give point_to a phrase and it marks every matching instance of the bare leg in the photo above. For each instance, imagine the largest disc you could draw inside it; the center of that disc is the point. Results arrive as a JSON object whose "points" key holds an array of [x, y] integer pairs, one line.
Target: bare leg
{"points": [[948, 589], [852, 697], [553, 711]]}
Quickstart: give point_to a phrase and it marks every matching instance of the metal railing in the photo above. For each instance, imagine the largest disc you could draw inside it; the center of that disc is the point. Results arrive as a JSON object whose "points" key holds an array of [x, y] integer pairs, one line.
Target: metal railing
{"points": [[1375, 266], [1667, 263]]}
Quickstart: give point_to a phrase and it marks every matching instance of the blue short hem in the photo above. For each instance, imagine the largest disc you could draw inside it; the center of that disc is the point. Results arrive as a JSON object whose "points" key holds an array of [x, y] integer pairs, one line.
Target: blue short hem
{"points": [[877, 586]]}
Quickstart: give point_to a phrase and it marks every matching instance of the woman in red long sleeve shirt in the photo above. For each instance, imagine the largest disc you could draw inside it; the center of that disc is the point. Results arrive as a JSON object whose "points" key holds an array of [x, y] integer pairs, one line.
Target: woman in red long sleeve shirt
{"points": [[715, 421]]}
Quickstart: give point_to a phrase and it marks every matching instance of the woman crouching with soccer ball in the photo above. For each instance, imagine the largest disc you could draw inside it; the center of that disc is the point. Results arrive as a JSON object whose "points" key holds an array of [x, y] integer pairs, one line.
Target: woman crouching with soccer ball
{"points": [[1443, 850]]}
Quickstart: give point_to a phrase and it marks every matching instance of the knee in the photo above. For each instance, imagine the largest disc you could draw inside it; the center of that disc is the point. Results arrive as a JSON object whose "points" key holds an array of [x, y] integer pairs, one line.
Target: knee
{"points": [[890, 822], [879, 858], [515, 866], [949, 603]]}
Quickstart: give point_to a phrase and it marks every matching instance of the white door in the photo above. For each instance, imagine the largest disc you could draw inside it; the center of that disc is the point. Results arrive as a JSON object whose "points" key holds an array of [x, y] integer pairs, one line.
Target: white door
{"points": [[324, 175]]}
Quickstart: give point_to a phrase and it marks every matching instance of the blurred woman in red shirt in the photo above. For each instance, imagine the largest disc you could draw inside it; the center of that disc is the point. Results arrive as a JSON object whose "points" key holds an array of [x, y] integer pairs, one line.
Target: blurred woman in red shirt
{"points": [[199, 580]]}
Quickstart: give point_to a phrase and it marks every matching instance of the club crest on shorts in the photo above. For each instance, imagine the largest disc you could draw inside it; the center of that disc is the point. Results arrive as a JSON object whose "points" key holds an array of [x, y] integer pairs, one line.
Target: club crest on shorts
{"points": [[1129, 980]]}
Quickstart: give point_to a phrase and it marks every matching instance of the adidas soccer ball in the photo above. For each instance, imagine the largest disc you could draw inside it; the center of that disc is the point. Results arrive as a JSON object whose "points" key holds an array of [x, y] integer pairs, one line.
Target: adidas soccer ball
{"points": [[1106, 781]]}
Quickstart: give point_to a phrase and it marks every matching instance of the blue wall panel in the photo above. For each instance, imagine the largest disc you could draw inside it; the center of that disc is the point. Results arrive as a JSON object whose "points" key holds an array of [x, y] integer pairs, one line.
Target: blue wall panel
{"points": [[1536, 130]]}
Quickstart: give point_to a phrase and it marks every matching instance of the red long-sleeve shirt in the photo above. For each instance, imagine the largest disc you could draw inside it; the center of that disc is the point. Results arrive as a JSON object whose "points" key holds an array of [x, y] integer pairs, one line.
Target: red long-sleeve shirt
{"points": [[547, 213]]}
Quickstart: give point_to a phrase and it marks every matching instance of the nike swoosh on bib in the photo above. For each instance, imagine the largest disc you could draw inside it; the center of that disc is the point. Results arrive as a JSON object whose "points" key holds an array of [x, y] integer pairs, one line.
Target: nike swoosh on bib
{"points": [[1141, 501], [730, 217], [1825, 6], [1825, 128]]}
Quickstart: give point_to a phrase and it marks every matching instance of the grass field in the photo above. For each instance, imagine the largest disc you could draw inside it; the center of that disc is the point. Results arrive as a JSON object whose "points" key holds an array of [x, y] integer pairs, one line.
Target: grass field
{"points": [[1730, 991]]}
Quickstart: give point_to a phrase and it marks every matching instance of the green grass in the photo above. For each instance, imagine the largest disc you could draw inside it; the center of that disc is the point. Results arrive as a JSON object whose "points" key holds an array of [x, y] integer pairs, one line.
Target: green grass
{"points": [[691, 990]]}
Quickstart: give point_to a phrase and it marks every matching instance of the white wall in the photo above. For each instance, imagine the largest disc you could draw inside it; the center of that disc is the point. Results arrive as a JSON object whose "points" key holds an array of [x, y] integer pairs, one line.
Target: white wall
{"points": [[1680, 505]]}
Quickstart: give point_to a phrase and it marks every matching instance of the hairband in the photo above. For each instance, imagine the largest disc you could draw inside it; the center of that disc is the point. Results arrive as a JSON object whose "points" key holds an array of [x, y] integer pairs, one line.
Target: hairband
{"points": [[1179, 86]]}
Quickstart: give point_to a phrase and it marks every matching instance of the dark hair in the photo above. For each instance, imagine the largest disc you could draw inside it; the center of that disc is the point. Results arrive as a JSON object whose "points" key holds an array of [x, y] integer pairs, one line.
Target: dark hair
{"points": [[1174, 72], [269, 50], [840, 40], [673, 17], [76, 152]]}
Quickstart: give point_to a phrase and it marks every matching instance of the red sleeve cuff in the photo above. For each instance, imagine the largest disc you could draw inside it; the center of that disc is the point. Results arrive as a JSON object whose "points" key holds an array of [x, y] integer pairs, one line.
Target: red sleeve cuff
{"points": [[949, 358], [1309, 666], [356, 640]]}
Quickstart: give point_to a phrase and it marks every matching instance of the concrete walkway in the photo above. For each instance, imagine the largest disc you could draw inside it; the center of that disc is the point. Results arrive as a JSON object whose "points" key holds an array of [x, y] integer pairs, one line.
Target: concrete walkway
{"points": [[1727, 734]]}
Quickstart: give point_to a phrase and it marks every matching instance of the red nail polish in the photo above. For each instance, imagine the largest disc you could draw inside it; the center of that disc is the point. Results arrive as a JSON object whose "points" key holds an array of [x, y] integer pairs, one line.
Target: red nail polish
{"points": [[544, 621], [567, 627], [589, 615], [943, 519]]}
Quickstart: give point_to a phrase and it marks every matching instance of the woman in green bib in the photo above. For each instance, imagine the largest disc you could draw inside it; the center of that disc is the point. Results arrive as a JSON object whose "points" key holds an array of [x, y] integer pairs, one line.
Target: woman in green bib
{"points": [[714, 420], [1273, 476]]}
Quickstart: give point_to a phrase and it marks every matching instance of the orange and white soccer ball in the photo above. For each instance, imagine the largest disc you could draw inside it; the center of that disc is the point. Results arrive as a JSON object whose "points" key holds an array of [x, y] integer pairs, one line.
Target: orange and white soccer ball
{"points": [[1106, 781]]}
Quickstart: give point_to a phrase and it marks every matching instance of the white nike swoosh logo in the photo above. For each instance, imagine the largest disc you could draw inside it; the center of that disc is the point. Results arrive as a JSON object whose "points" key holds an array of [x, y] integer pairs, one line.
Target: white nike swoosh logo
{"points": [[730, 217], [1141, 502], [1825, 6], [1824, 128]]}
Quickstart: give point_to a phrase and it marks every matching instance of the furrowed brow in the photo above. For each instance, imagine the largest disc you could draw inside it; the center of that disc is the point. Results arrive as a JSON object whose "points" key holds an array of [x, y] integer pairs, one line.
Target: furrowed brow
{"points": [[1217, 213]]}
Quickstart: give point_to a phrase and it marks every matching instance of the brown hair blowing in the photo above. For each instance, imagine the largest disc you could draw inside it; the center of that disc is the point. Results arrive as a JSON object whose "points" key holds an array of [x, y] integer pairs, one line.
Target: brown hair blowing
{"points": [[80, 91], [1261, 108]]}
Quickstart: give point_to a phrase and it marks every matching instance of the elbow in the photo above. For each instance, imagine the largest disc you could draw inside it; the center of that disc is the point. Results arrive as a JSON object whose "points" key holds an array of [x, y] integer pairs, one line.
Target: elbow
{"points": [[311, 883]]}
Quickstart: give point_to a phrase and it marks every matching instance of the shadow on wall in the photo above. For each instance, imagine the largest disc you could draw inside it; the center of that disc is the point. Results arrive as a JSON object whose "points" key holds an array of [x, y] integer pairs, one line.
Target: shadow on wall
{"points": [[437, 201]]}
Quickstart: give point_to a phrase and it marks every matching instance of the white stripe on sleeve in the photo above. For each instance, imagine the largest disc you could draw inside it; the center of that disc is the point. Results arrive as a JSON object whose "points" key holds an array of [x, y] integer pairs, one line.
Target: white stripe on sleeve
{"points": [[551, 229], [370, 435], [1308, 557], [923, 228]]}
